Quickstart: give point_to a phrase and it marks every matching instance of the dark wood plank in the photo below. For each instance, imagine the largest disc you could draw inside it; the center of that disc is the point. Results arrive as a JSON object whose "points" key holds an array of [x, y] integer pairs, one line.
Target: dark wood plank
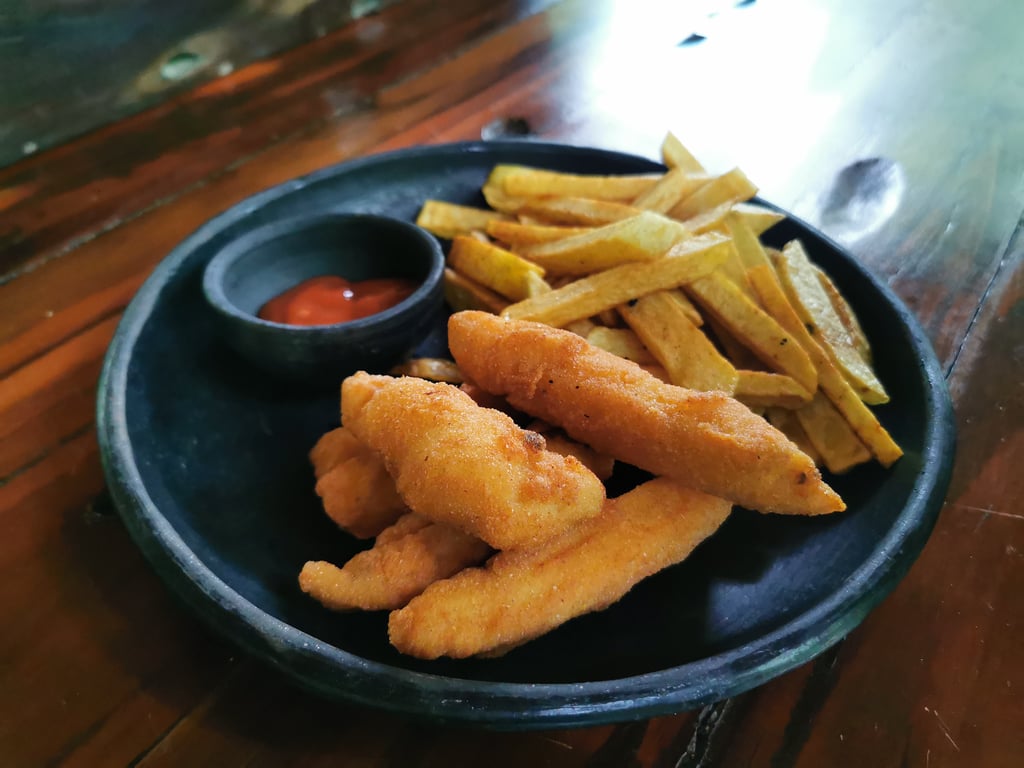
{"points": [[116, 173], [98, 661], [87, 64]]}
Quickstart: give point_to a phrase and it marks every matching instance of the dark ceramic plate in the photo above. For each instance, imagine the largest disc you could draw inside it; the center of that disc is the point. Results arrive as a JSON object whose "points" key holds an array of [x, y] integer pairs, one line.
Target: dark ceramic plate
{"points": [[206, 459]]}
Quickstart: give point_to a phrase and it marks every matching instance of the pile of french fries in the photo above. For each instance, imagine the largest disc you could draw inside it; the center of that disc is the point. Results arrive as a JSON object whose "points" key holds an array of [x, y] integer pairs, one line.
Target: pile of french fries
{"points": [[668, 270]]}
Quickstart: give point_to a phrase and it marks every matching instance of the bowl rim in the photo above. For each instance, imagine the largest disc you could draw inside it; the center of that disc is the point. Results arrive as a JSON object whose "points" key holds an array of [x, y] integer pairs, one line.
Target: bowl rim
{"points": [[231, 252], [322, 667]]}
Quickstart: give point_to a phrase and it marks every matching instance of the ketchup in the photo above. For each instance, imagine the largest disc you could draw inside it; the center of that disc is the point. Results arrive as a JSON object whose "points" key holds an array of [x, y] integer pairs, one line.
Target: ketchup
{"points": [[328, 299]]}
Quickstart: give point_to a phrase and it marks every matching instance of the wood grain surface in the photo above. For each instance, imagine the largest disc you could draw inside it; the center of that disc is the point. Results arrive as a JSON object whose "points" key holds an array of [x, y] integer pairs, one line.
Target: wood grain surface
{"points": [[896, 126]]}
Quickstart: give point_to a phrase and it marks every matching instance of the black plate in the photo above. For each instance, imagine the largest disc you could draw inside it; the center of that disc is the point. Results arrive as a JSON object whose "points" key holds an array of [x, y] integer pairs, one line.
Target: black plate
{"points": [[206, 459]]}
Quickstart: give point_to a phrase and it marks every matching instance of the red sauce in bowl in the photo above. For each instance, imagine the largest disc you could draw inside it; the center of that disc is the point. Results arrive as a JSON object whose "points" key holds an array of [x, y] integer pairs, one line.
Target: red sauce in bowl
{"points": [[327, 300]]}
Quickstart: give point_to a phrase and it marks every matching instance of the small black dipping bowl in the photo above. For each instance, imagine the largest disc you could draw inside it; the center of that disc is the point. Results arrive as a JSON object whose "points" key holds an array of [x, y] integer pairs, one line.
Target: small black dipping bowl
{"points": [[271, 259]]}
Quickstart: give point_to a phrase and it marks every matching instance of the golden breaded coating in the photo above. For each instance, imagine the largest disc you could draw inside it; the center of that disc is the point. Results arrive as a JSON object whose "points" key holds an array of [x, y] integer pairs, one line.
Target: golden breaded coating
{"points": [[394, 570], [520, 595], [332, 449], [360, 496], [457, 463], [406, 524], [707, 440]]}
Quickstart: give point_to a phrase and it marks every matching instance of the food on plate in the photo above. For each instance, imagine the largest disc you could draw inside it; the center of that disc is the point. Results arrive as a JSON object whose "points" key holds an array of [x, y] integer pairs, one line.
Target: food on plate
{"points": [[520, 595], [683, 263], [359, 495], [705, 439], [458, 463], [521, 181], [330, 299], [636, 319], [499, 270], [461, 292], [450, 220], [397, 568], [643, 237], [688, 356], [808, 297]]}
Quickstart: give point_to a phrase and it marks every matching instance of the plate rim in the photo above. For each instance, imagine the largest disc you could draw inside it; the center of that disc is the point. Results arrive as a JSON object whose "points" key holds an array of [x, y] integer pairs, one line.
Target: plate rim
{"points": [[505, 705]]}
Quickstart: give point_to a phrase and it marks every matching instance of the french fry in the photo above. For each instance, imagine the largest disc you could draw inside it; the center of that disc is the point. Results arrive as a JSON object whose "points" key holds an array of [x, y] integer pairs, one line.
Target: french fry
{"points": [[494, 192], [831, 435], [643, 237], [462, 293], [675, 155], [732, 187], [516, 235], [806, 295], [757, 217], [735, 351], [846, 315], [785, 420], [761, 389], [670, 190], [501, 271], [577, 211], [430, 368], [681, 348], [748, 247], [620, 341], [757, 330], [520, 181], [590, 295], [448, 219], [835, 387], [686, 306]]}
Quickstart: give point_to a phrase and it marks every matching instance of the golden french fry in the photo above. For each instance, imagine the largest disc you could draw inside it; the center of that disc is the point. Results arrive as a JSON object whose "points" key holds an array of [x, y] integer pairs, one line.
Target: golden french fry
{"points": [[831, 435], [675, 155], [685, 306], [757, 217], [785, 420], [847, 315], [673, 187], [520, 181], [430, 368], [643, 237], [495, 194], [620, 341], [761, 389], [577, 210], [807, 296], [681, 348], [462, 293], [502, 271], [590, 295], [752, 326], [516, 235], [448, 219], [832, 383], [748, 248], [729, 188], [735, 352]]}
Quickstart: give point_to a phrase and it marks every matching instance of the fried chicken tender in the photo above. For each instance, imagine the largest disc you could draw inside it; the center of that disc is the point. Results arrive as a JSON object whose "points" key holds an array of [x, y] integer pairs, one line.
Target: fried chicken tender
{"points": [[355, 488], [707, 440], [520, 595], [405, 559], [457, 463]]}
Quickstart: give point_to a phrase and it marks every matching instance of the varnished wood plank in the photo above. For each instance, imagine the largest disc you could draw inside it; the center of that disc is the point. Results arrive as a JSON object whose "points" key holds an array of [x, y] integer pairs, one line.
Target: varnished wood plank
{"points": [[98, 661], [111, 176]]}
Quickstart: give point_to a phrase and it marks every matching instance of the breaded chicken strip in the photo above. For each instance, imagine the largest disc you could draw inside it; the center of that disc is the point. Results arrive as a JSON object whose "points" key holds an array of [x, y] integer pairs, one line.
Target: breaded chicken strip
{"points": [[399, 566], [707, 440], [520, 595], [457, 463]]}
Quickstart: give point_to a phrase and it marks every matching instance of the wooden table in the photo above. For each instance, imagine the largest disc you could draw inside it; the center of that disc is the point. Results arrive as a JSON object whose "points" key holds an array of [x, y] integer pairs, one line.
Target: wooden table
{"points": [[896, 126]]}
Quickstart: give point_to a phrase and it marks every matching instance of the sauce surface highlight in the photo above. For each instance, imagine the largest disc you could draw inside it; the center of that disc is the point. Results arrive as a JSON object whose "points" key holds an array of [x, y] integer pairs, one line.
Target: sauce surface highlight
{"points": [[329, 299]]}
